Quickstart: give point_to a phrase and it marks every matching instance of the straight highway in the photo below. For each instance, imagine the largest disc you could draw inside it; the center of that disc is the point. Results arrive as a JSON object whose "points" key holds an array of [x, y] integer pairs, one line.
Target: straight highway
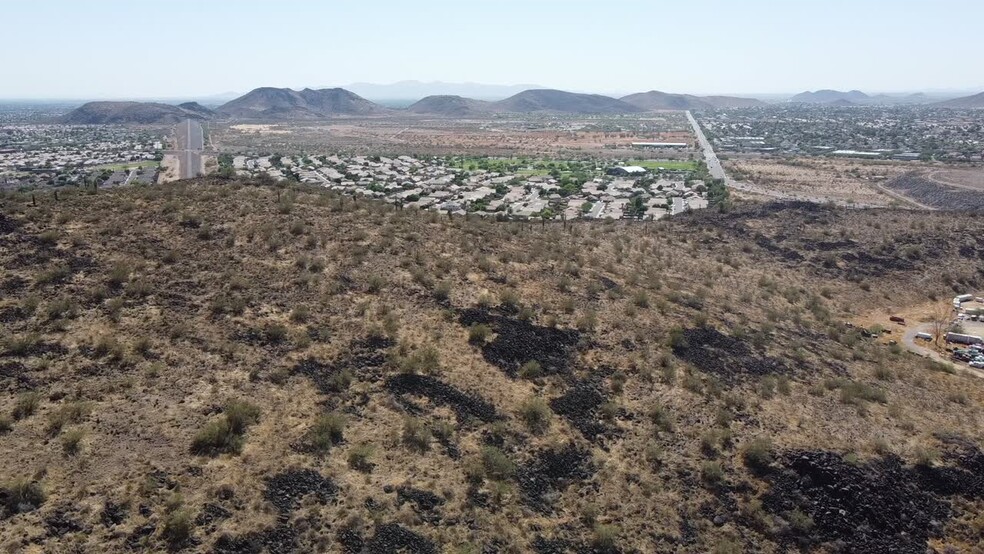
{"points": [[191, 142], [710, 158]]}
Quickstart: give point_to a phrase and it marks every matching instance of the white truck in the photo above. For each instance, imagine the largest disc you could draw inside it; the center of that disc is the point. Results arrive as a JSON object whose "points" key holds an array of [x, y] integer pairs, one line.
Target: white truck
{"points": [[962, 338]]}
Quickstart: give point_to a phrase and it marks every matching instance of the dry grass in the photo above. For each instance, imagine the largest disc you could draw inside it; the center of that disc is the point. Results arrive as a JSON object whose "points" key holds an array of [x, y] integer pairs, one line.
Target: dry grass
{"points": [[230, 314], [844, 181]]}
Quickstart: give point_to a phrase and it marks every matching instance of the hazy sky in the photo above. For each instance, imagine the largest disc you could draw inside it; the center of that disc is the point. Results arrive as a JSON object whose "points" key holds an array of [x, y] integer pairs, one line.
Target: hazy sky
{"points": [[183, 48]]}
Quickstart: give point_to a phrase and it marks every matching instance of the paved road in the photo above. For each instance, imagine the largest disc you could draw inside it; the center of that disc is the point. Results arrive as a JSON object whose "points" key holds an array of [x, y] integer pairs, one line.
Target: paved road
{"points": [[918, 347], [710, 158], [191, 142]]}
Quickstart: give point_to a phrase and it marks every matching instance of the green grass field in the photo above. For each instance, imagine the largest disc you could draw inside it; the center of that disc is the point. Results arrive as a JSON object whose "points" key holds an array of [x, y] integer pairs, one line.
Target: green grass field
{"points": [[534, 167], [675, 165]]}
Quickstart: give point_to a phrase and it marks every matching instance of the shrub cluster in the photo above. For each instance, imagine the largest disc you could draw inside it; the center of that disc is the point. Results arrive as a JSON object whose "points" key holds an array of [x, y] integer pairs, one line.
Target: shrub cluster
{"points": [[225, 434]]}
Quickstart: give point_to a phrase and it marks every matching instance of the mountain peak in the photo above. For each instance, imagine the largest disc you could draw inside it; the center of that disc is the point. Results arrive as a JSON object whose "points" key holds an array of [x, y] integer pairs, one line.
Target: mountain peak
{"points": [[285, 103]]}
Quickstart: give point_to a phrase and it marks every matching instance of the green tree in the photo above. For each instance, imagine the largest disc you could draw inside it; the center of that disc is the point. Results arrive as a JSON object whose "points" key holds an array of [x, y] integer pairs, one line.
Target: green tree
{"points": [[636, 207]]}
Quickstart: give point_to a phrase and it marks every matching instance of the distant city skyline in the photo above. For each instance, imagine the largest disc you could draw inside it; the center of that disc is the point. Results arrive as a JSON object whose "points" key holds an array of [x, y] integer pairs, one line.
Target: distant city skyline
{"points": [[115, 49]]}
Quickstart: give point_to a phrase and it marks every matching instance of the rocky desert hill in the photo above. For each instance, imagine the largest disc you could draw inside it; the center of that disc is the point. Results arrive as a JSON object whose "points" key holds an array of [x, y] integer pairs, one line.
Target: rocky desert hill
{"points": [[231, 367], [450, 106], [148, 113], [828, 96], [559, 101], [197, 108], [973, 101], [287, 104], [533, 101]]}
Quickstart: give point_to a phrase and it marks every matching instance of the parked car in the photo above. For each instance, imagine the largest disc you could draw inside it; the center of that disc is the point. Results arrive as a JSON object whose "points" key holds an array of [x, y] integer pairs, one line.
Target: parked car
{"points": [[977, 364]]}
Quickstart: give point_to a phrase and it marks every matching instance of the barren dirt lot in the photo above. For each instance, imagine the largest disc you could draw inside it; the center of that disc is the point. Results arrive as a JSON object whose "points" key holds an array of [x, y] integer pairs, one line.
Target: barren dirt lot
{"points": [[589, 137], [957, 192], [259, 129], [169, 169], [844, 181], [218, 366], [969, 178]]}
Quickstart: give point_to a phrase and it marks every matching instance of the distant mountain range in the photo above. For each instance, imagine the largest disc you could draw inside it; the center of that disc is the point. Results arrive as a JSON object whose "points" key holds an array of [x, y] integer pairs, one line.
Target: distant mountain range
{"points": [[966, 102], [284, 104], [528, 101], [103, 113], [287, 104], [829, 97], [656, 100], [413, 90], [858, 98]]}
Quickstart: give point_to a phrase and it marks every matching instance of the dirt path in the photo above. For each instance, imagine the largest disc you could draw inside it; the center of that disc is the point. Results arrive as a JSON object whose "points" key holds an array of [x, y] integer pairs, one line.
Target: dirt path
{"points": [[903, 198]]}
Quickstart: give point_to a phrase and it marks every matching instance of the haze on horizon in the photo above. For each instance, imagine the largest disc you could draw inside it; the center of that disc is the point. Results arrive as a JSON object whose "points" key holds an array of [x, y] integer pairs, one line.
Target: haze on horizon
{"points": [[60, 49]]}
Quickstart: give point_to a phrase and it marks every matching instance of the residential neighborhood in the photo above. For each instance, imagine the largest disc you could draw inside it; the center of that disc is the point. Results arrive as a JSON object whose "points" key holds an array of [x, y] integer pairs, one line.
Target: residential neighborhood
{"points": [[435, 184], [51, 155]]}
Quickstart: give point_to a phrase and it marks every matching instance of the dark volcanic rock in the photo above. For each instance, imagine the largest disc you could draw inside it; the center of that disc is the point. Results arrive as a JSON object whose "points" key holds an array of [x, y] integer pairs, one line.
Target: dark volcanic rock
{"points": [[8, 225], [425, 501], [286, 489], [726, 357], [550, 471], [465, 405], [59, 522], [210, 514], [281, 539], [542, 545], [137, 540], [365, 357], [391, 538], [14, 377], [518, 342], [351, 541], [579, 405], [880, 506], [112, 514]]}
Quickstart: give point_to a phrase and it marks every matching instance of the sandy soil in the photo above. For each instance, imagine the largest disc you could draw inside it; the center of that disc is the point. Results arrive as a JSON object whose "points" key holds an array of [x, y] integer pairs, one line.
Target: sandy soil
{"points": [[169, 169], [260, 129], [963, 178], [843, 181]]}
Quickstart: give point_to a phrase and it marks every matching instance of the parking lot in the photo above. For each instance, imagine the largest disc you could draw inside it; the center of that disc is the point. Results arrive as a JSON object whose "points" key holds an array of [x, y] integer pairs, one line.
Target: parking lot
{"points": [[969, 321], [971, 327]]}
